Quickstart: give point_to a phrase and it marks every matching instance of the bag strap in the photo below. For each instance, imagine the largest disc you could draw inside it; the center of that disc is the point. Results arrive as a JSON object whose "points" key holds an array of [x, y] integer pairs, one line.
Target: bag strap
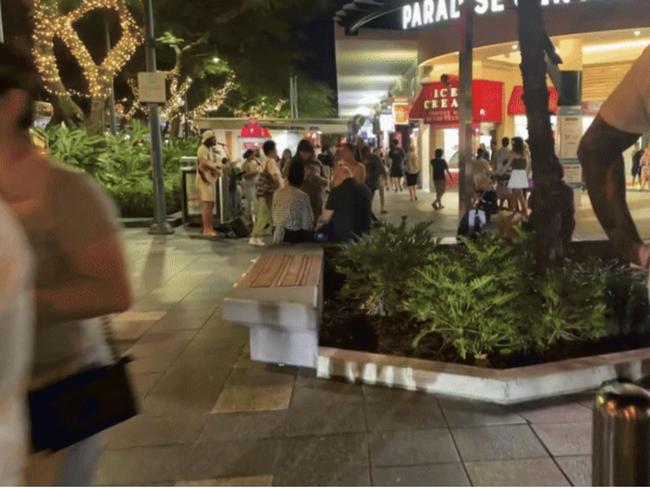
{"points": [[107, 330]]}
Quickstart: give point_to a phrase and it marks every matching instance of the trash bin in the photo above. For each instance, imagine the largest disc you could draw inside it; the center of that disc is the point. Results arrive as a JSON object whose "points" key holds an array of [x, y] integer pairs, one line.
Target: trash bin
{"points": [[621, 437]]}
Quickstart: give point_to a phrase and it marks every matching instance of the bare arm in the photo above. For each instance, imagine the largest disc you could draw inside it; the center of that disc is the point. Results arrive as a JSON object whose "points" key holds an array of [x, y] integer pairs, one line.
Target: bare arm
{"points": [[601, 156], [325, 217], [99, 285]]}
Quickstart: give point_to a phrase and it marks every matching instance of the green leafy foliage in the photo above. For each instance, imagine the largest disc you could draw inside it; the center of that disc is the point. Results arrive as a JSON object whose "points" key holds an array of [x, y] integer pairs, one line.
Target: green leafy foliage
{"points": [[377, 266], [483, 297], [121, 163]]}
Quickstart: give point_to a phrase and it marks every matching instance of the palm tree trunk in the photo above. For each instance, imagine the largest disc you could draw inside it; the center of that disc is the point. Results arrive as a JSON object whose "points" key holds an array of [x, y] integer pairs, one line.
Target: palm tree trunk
{"points": [[547, 178]]}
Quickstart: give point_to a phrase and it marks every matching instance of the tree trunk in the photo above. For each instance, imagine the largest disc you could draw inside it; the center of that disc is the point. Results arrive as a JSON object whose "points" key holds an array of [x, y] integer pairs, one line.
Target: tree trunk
{"points": [[96, 121], [547, 178]]}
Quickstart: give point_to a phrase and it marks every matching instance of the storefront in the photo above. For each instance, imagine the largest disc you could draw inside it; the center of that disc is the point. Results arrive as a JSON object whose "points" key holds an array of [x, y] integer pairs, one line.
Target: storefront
{"points": [[597, 39]]}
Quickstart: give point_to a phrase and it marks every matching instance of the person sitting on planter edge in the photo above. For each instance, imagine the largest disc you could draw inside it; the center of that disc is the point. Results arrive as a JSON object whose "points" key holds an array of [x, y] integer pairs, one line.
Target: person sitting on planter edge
{"points": [[292, 213], [621, 121], [347, 213]]}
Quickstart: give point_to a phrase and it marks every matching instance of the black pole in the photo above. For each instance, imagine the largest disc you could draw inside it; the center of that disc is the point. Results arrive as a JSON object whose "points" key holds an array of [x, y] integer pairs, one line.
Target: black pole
{"points": [[466, 59], [160, 225], [112, 119]]}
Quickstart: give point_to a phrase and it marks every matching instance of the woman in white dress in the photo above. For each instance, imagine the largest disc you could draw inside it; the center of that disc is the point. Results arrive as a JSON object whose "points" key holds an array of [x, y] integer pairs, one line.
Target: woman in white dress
{"points": [[519, 176]]}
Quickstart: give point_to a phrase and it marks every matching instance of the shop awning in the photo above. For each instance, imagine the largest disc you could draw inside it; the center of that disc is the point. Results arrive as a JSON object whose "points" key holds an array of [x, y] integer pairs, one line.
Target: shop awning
{"points": [[516, 104], [438, 103]]}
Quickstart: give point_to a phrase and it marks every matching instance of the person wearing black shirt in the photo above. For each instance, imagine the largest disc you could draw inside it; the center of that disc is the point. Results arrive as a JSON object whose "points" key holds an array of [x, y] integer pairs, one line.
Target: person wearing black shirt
{"points": [[347, 213], [397, 156], [375, 172], [440, 167]]}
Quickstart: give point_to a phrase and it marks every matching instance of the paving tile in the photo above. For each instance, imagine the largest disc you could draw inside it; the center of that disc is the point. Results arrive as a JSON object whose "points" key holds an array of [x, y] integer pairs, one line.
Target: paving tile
{"points": [[155, 344], [379, 394], [523, 472], [140, 466], [322, 452], [566, 439], [429, 475], [339, 475], [182, 392], [217, 359], [143, 383], [325, 419], [244, 426], [145, 430], [460, 413], [412, 447], [577, 469], [312, 391], [218, 337], [130, 330], [153, 364], [229, 459], [555, 413], [182, 321], [403, 416], [242, 481], [498, 443], [250, 390]]}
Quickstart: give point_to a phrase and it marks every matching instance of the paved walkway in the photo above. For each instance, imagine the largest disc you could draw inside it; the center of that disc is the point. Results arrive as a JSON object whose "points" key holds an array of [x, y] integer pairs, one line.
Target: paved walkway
{"points": [[212, 417]]}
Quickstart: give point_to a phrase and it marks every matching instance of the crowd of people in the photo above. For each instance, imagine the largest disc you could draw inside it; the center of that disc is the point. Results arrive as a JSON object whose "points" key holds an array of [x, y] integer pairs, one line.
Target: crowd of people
{"points": [[307, 196], [641, 167]]}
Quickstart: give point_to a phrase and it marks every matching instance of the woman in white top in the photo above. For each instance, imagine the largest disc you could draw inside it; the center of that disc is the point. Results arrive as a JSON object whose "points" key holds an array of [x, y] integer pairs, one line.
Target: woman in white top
{"points": [[293, 218], [16, 331], [519, 176]]}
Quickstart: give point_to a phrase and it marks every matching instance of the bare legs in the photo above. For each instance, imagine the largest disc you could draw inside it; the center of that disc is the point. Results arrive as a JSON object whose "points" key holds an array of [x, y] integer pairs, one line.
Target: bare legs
{"points": [[382, 197], [519, 202], [397, 184], [207, 214], [413, 193]]}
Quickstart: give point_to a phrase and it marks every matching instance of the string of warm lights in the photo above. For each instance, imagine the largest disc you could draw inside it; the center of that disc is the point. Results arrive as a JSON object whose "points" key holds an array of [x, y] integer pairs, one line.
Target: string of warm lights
{"points": [[49, 24], [215, 100]]}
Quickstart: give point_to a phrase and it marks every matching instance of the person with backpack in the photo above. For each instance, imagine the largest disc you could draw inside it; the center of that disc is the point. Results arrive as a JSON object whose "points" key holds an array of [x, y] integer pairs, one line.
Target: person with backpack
{"points": [[268, 181]]}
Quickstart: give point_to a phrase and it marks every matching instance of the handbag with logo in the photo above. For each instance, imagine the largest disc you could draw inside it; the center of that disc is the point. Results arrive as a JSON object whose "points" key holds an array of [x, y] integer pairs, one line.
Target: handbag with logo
{"points": [[82, 405]]}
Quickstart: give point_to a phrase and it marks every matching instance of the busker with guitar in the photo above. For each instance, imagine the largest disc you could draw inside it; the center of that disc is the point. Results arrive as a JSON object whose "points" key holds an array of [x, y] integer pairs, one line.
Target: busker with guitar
{"points": [[209, 170]]}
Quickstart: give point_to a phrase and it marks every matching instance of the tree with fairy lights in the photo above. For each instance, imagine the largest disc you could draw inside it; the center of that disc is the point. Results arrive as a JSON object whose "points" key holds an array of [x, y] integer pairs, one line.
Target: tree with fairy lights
{"points": [[50, 22]]}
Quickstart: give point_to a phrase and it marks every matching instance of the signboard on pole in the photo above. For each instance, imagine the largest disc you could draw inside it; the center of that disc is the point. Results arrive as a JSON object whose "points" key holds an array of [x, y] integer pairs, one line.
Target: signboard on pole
{"points": [[570, 134], [152, 87]]}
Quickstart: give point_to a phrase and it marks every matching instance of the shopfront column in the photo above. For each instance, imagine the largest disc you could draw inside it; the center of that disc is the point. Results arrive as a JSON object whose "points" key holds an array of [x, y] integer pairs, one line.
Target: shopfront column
{"points": [[570, 129]]}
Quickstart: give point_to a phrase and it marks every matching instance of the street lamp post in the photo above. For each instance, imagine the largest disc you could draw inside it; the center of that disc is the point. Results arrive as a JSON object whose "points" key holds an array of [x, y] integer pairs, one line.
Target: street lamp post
{"points": [[160, 225], [466, 59]]}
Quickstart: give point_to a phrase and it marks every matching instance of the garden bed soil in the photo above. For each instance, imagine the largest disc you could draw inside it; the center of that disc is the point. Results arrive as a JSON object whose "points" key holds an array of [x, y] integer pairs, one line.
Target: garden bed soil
{"points": [[345, 327]]}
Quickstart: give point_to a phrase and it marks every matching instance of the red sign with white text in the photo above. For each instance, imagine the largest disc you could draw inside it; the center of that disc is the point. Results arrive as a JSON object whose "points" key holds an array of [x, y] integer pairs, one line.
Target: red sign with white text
{"points": [[439, 104]]}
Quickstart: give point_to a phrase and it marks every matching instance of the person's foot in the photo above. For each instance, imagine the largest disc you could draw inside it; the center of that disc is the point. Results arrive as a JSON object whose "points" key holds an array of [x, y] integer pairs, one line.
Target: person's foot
{"points": [[257, 242], [209, 233]]}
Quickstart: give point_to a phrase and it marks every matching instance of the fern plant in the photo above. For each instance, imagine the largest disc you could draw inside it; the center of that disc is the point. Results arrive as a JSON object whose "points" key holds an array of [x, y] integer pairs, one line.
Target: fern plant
{"points": [[378, 265]]}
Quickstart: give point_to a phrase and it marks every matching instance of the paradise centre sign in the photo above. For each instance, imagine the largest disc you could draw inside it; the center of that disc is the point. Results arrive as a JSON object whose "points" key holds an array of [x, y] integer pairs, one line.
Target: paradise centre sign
{"points": [[430, 12]]}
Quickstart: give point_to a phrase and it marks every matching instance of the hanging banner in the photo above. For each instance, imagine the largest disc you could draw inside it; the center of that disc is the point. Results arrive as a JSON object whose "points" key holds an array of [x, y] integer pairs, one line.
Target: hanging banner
{"points": [[570, 133], [401, 113]]}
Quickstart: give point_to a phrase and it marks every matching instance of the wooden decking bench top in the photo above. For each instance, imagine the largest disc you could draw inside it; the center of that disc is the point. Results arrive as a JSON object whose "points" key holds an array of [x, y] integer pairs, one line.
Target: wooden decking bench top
{"points": [[284, 271]]}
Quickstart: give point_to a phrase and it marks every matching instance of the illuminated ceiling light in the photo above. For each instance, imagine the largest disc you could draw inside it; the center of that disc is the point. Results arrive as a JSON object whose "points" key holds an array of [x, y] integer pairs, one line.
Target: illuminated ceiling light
{"points": [[637, 33], [515, 47], [616, 46]]}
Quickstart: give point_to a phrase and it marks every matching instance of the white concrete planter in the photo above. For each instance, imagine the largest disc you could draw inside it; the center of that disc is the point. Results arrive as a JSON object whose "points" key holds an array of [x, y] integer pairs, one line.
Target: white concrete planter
{"points": [[505, 387]]}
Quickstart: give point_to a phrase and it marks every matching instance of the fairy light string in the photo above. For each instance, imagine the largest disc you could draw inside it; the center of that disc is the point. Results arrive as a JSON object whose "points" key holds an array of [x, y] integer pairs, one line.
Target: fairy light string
{"points": [[50, 24]]}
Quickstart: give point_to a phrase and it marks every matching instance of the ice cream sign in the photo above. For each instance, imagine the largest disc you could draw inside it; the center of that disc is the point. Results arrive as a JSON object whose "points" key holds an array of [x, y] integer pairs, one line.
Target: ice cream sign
{"points": [[430, 12]]}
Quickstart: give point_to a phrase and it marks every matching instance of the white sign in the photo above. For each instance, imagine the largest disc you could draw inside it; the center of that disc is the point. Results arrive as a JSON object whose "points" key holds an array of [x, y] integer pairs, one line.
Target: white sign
{"points": [[570, 132], [386, 123], [429, 12], [152, 87]]}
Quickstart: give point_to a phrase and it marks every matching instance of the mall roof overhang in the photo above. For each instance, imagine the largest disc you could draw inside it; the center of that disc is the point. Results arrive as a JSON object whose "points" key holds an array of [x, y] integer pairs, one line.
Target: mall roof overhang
{"points": [[360, 13]]}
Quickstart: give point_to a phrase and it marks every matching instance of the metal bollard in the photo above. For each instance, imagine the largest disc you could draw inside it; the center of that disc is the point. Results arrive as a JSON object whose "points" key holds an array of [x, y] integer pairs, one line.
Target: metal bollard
{"points": [[621, 437]]}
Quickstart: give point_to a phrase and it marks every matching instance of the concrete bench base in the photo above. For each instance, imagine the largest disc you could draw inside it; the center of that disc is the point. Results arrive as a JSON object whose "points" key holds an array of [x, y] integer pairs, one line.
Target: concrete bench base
{"points": [[281, 300], [294, 348]]}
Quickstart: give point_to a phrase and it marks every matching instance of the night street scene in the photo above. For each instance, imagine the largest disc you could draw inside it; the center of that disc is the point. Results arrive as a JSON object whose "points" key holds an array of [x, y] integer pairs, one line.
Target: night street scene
{"points": [[324, 243]]}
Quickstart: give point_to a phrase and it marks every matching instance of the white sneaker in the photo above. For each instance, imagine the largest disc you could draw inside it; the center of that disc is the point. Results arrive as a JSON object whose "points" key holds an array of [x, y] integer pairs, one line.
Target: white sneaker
{"points": [[257, 242]]}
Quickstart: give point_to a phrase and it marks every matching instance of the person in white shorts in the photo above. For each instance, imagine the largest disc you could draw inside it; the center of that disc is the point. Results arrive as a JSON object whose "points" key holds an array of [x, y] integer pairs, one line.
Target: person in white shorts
{"points": [[623, 118]]}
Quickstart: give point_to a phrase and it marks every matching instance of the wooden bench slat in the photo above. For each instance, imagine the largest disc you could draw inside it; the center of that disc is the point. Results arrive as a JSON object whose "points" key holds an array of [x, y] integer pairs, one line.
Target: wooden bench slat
{"points": [[283, 271]]}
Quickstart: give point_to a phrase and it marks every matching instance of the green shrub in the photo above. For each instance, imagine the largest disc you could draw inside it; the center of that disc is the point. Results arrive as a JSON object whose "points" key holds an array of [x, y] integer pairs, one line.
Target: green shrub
{"points": [[377, 266], [122, 164], [472, 296]]}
